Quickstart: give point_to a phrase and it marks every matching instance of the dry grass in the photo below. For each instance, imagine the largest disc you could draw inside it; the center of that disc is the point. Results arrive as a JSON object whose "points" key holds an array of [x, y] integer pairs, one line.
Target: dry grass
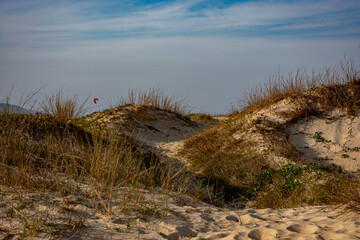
{"points": [[280, 87], [53, 154], [34, 144], [344, 190], [27, 101], [222, 159], [202, 118], [345, 96], [155, 97], [63, 107]]}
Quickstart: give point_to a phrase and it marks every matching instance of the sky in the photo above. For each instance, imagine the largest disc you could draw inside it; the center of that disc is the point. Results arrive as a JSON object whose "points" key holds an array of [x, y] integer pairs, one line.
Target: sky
{"points": [[208, 52]]}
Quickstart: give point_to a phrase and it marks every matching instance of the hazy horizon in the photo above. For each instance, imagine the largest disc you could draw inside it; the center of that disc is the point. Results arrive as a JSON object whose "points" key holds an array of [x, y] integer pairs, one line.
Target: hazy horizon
{"points": [[206, 51]]}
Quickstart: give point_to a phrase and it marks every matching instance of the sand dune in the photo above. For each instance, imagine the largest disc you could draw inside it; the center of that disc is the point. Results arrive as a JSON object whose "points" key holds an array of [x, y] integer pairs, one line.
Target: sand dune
{"points": [[175, 216], [166, 132]]}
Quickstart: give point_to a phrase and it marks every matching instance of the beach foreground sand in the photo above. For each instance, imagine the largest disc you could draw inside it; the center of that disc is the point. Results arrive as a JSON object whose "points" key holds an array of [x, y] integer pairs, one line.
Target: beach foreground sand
{"points": [[165, 217]]}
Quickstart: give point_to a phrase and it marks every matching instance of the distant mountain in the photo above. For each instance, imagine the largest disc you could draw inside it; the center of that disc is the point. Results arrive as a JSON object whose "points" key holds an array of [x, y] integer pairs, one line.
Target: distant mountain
{"points": [[5, 107]]}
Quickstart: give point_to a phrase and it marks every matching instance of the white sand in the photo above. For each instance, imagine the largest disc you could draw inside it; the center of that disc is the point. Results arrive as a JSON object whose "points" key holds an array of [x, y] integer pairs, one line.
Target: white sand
{"points": [[172, 218], [341, 146]]}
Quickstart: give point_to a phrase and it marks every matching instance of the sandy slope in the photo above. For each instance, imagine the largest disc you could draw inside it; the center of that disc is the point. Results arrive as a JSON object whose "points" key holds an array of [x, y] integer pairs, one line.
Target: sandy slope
{"points": [[341, 140], [329, 137]]}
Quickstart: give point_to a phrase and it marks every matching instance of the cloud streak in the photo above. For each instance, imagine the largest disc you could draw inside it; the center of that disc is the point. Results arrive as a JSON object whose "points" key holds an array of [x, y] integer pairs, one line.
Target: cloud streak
{"points": [[38, 21]]}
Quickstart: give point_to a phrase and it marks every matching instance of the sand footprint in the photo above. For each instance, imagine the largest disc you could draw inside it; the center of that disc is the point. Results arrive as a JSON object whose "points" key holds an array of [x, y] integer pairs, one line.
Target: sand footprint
{"points": [[263, 233], [303, 228]]}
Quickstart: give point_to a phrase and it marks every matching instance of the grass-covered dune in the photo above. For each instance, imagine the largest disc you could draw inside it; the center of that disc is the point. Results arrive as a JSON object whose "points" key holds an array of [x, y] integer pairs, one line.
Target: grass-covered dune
{"points": [[146, 159], [253, 149]]}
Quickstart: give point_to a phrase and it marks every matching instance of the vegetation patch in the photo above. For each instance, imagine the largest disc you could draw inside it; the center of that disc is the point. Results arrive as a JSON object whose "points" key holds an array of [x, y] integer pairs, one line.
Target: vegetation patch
{"points": [[289, 186], [319, 138], [202, 118], [220, 158], [46, 143]]}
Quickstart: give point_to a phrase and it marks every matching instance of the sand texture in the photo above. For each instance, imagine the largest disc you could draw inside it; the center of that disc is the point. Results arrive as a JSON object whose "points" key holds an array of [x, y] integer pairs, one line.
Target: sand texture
{"points": [[182, 218], [333, 140]]}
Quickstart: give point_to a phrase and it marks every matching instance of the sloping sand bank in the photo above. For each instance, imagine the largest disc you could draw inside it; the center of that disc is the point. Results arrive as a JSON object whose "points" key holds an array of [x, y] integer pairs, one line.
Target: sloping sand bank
{"points": [[333, 140]]}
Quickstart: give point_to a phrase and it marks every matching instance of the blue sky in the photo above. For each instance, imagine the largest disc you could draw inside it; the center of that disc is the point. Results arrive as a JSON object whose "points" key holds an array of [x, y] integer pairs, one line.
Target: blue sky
{"points": [[207, 51]]}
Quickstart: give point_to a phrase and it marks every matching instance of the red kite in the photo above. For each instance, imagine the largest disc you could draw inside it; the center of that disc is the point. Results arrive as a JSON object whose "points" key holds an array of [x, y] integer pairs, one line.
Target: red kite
{"points": [[96, 99]]}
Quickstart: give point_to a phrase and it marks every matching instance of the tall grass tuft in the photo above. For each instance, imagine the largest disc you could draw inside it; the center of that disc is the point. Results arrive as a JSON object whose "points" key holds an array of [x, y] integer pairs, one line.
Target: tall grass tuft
{"points": [[27, 101], [63, 107], [155, 97], [343, 190]]}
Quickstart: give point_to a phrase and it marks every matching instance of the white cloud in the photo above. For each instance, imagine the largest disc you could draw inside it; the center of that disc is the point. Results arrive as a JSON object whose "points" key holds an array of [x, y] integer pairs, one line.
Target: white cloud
{"points": [[80, 20]]}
